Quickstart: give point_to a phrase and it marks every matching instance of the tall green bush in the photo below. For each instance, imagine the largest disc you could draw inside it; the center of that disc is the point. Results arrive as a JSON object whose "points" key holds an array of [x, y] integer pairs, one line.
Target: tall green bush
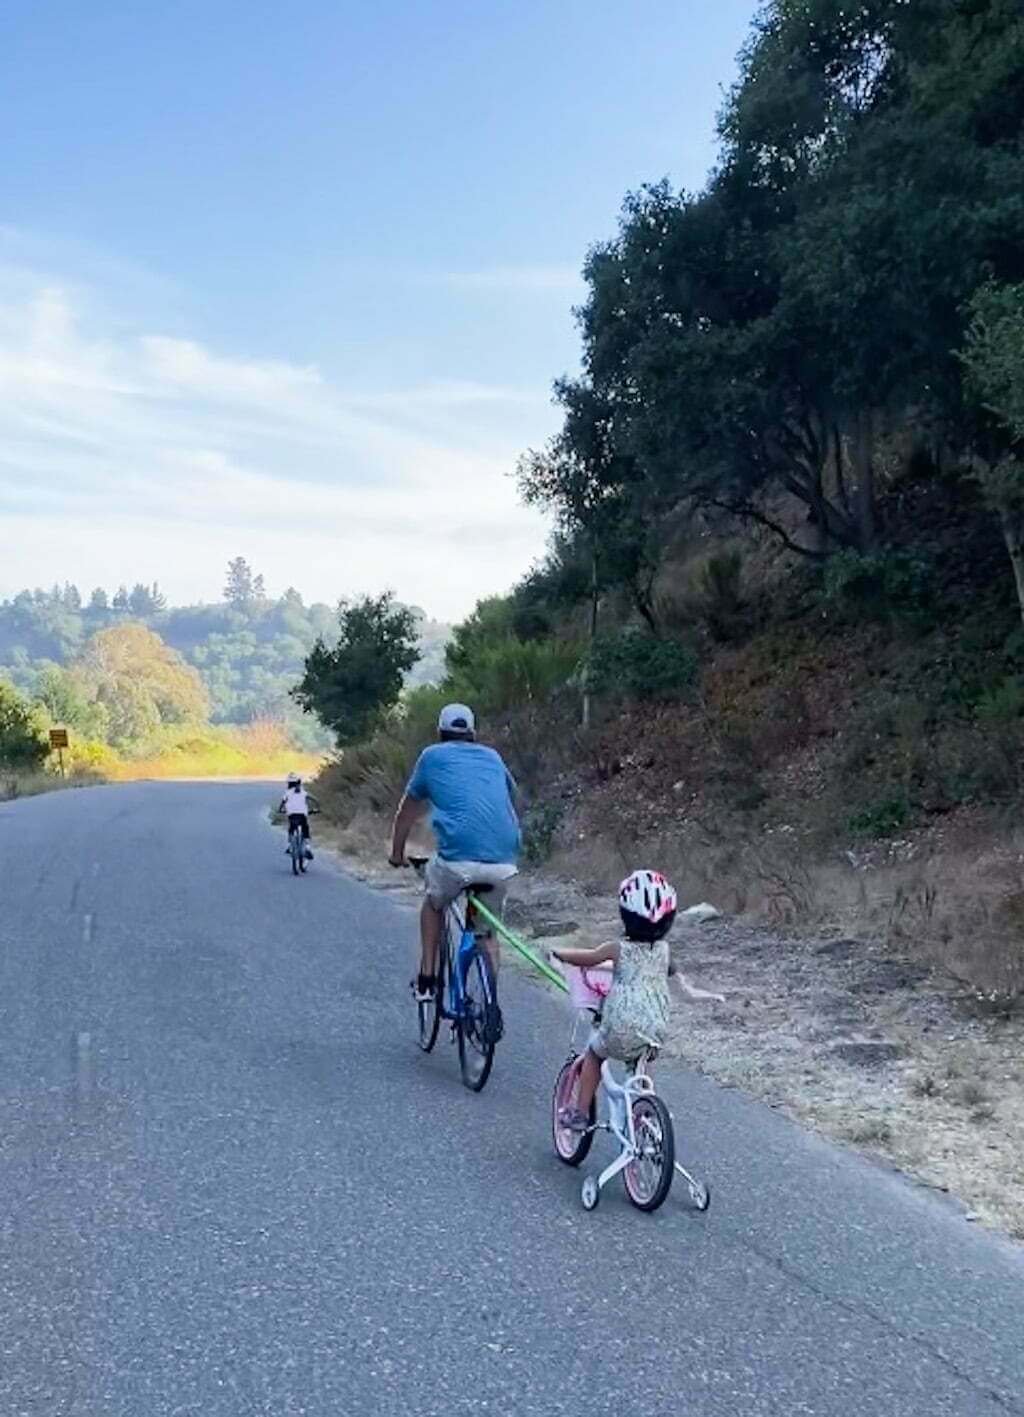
{"points": [[23, 743], [636, 665], [508, 673]]}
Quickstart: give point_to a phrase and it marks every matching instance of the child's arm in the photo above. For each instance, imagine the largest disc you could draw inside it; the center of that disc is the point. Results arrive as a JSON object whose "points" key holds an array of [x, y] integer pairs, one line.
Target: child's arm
{"points": [[691, 992], [584, 959]]}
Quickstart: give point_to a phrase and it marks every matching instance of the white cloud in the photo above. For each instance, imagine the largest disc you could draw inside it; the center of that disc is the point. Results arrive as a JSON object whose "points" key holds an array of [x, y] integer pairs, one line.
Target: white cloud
{"points": [[562, 280], [131, 455]]}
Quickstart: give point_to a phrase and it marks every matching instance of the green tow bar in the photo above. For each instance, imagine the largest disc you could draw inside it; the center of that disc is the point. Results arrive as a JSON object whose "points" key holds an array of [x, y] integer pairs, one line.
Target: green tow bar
{"points": [[520, 945]]}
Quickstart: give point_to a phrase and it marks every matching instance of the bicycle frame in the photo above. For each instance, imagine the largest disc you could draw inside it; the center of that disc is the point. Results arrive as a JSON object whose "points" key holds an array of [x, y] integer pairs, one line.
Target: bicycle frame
{"points": [[619, 1098], [455, 1007]]}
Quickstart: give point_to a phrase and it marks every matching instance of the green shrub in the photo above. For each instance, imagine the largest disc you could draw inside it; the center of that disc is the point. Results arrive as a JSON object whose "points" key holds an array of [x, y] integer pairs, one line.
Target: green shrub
{"points": [[1003, 703], [880, 585], [23, 743], [882, 819], [1013, 649], [509, 673], [634, 664], [540, 828], [718, 599]]}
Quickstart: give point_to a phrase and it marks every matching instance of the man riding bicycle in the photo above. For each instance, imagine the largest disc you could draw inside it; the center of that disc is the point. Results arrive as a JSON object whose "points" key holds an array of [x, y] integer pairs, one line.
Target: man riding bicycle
{"points": [[296, 805], [470, 793]]}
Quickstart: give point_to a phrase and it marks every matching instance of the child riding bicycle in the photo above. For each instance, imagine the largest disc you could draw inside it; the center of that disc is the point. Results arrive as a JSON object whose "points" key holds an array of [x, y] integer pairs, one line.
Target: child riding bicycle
{"points": [[635, 1015], [296, 805]]}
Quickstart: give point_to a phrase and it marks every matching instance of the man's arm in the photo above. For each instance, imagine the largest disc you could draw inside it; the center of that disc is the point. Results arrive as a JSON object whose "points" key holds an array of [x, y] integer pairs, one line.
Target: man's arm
{"points": [[410, 809]]}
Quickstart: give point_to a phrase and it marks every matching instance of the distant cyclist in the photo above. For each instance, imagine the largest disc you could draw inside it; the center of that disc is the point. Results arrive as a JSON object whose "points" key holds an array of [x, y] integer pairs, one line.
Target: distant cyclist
{"points": [[296, 804], [471, 796]]}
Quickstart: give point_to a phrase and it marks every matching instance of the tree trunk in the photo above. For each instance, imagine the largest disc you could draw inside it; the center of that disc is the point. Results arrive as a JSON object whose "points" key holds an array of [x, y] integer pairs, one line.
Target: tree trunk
{"points": [[594, 602], [864, 467], [1012, 521], [819, 521]]}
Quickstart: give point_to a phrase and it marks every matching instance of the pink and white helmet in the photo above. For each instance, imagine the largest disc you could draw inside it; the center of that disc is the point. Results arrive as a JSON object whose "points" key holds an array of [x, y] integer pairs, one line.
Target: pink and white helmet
{"points": [[649, 895]]}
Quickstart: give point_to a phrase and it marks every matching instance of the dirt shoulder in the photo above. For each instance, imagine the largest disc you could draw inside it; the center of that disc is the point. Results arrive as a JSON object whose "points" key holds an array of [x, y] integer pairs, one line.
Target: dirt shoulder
{"points": [[872, 1051]]}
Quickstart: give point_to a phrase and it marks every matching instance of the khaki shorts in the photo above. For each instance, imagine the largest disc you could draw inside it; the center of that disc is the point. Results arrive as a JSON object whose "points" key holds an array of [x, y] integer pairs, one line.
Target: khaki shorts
{"points": [[446, 880]]}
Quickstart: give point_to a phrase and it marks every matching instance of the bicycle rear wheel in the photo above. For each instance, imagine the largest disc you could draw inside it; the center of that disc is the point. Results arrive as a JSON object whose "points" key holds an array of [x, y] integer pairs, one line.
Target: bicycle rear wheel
{"points": [[295, 853], [648, 1177], [475, 1027], [431, 1009], [570, 1147]]}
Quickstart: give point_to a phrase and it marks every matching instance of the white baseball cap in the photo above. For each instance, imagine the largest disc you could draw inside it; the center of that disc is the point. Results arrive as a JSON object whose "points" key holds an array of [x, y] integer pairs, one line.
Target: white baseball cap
{"points": [[456, 718]]}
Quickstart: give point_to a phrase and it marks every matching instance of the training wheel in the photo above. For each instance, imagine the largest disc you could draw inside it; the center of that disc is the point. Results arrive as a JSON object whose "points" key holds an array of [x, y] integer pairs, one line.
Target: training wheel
{"points": [[700, 1195], [590, 1193]]}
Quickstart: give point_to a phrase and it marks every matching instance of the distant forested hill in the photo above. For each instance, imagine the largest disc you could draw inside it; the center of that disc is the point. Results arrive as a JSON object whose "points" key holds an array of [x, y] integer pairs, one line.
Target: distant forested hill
{"points": [[248, 649]]}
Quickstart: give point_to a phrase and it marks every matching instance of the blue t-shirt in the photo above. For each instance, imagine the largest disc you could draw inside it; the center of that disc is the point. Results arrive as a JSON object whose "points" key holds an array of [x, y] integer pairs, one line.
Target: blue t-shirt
{"points": [[470, 790]]}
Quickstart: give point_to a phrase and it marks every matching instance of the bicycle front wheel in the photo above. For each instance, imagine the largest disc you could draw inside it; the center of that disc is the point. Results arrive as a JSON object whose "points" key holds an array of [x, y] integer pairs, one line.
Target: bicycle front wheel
{"points": [[476, 1026], [648, 1177], [570, 1147]]}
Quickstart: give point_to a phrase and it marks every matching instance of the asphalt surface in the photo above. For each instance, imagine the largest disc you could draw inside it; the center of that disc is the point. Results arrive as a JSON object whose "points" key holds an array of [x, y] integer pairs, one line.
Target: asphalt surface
{"points": [[231, 1184]]}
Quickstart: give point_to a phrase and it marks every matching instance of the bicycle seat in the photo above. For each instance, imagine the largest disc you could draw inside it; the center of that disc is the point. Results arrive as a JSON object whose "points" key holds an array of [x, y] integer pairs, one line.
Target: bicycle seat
{"points": [[480, 887]]}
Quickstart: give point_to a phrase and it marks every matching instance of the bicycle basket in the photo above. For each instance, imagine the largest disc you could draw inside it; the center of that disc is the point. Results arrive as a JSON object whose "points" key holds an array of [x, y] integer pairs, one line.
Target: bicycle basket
{"points": [[588, 988]]}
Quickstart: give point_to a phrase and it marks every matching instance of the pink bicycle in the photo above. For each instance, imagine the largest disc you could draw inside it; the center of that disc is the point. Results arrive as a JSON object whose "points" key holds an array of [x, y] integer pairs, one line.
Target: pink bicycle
{"points": [[636, 1116]]}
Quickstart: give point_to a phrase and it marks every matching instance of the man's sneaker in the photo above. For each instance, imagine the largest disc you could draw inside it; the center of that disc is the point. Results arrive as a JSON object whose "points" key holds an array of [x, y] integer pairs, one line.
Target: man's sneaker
{"points": [[423, 989], [494, 1024], [573, 1120]]}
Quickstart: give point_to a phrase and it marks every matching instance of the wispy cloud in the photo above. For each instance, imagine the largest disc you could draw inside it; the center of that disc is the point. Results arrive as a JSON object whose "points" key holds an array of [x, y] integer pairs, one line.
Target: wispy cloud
{"points": [[129, 454], [559, 280]]}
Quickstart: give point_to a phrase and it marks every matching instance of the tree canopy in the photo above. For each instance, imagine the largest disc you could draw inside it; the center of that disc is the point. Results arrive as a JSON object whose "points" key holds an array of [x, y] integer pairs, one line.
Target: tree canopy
{"points": [[771, 347], [349, 687], [140, 683]]}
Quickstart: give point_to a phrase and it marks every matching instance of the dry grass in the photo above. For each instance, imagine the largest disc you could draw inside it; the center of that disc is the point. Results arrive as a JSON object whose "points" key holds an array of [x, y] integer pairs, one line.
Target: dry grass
{"points": [[952, 897], [257, 750], [15, 784]]}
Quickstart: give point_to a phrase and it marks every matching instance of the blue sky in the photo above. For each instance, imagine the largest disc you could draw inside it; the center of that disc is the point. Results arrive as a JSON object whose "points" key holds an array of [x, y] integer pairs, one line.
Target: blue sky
{"points": [[293, 282]]}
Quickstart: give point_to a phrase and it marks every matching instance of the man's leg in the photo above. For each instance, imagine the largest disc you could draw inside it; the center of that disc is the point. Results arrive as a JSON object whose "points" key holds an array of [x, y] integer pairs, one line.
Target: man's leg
{"points": [[493, 947], [430, 938], [495, 902]]}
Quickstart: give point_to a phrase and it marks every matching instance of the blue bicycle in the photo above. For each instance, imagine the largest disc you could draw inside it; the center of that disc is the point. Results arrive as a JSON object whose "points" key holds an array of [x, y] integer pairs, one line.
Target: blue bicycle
{"points": [[466, 991]]}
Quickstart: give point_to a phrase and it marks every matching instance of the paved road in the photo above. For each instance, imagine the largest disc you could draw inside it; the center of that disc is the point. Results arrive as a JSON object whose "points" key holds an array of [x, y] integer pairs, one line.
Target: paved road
{"points": [[230, 1184]]}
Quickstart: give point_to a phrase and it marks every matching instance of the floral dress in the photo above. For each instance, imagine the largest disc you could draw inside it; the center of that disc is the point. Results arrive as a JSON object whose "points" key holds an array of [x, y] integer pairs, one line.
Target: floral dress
{"points": [[637, 1009]]}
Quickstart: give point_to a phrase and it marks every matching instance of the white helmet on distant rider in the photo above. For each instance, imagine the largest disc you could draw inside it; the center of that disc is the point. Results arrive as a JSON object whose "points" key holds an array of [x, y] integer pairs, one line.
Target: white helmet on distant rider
{"points": [[647, 904], [294, 780]]}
